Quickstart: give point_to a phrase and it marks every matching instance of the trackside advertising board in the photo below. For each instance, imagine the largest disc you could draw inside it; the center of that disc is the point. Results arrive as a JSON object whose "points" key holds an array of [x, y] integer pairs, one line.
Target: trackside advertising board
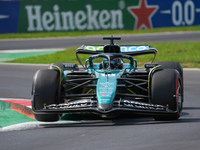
{"points": [[79, 15], [9, 16]]}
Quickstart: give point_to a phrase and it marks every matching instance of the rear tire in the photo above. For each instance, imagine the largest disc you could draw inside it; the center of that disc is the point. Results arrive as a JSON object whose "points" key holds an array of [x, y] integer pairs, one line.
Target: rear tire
{"points": [[45, 92], [172, 65], [166, 90]]}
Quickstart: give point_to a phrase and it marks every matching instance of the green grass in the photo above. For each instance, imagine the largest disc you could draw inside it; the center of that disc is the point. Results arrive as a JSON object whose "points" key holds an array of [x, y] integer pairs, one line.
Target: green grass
{"points": [[187, 53], [95, 33]]}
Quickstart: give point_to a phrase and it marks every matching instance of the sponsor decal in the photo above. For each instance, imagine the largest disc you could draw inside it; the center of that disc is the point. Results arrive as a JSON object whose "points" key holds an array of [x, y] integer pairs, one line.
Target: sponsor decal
{"points": [[105, 94], [68, 65], [176, 13], [133, 48], [143, 13], [83, 19], [107, 84], [93, 48], [144, 106], [122, 48], [103, 75], [37, 16]]}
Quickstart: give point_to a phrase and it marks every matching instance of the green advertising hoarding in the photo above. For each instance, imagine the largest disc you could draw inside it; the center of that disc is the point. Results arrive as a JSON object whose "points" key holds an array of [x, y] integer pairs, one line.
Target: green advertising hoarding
{"points": [[90, 15], [43, 16]]}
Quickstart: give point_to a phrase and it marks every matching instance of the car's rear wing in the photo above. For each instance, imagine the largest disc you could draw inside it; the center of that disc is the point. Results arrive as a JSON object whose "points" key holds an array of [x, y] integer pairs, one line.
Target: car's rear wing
{"points": [[133, 50]]}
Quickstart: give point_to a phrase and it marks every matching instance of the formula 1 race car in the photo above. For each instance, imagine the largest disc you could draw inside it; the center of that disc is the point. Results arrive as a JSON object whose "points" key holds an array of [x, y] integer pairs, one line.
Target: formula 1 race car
{"points": [[109, 83]]}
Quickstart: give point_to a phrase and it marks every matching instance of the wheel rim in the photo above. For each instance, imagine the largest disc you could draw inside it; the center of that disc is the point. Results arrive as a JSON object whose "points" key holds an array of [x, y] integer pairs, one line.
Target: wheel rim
{"points": [[179, 98]]}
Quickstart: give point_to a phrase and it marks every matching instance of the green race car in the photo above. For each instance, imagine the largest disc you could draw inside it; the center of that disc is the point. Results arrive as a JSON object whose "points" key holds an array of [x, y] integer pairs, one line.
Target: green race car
{"points": [[109, 83]]}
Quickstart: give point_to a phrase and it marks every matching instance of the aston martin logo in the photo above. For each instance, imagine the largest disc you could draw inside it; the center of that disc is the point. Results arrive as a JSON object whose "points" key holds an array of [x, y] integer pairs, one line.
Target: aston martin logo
{"points": [[142, 14]]}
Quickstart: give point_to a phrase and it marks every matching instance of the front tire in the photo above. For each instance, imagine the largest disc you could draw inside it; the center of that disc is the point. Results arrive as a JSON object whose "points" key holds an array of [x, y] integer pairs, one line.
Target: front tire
{"points": [[166, 90], [45, 90]]}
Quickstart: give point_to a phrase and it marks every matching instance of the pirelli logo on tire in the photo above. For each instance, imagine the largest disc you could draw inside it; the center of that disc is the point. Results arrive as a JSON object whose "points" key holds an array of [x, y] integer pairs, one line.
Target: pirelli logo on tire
{"points": [[68, 65]]}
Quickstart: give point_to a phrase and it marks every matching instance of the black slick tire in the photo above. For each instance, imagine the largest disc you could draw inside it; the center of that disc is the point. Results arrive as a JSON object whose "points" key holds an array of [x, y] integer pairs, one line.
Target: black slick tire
{"points": [[166, 91], [173, 65], [45, 92]]}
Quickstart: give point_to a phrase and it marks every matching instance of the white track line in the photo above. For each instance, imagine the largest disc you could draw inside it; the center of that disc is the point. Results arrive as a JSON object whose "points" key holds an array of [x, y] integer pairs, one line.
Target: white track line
{"points": [[33, 125], [31, 50]]}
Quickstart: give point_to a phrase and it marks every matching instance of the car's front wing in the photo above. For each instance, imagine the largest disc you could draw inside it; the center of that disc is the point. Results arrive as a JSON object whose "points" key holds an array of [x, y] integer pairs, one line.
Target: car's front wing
{"points": [[120, 106]]}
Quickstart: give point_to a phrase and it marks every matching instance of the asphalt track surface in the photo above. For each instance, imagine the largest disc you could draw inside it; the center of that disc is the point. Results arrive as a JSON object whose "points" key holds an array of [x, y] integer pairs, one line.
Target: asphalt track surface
{"points": [[78, 41], [131, 132]]}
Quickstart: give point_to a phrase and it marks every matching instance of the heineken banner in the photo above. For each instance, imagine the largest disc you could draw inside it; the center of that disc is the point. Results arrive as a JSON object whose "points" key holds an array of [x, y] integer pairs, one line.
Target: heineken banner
{"points": [[79, 15]]}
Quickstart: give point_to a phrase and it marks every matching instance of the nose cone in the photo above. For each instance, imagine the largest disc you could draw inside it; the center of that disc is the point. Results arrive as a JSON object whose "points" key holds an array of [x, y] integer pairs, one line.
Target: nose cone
{"points": [[105, 106], [106, 90]]}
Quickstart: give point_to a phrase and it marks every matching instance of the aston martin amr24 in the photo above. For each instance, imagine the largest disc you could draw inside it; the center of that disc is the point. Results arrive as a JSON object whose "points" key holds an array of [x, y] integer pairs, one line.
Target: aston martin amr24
{"points": [[109, 83]]}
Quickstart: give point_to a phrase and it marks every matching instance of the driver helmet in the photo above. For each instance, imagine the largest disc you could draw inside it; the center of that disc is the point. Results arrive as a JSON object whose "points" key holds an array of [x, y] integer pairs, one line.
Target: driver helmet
{"points": [[114, 64]]}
